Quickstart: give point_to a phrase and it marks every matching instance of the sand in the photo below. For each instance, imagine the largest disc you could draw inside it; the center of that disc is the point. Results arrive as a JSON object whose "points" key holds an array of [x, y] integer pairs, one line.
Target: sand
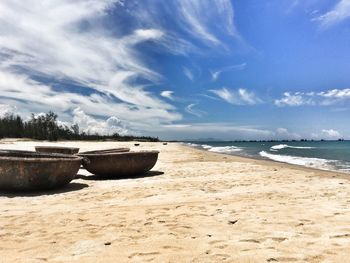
{"points": [[195, 206]]}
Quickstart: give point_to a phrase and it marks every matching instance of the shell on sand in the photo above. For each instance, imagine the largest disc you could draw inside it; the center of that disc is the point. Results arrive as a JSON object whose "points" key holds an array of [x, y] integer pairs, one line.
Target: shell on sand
{"points": [[23, 170], [120, 164], [57, 149]]}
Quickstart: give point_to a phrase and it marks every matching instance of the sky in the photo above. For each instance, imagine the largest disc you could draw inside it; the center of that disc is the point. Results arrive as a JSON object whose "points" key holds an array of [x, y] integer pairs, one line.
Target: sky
{"points": [[180, 69]]}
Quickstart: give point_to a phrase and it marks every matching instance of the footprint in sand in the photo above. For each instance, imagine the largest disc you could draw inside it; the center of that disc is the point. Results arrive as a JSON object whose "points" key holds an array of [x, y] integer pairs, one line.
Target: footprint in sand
{"points": [[341, 236], [144, 256], [173, 248]]}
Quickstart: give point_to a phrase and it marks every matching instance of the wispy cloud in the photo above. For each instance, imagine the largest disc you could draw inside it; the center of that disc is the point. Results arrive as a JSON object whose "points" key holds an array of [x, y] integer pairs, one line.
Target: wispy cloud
{"points": [[237, 97], [201, 25], [323, 98], [167, 94], [222, 130], [339, 13], [283, 133], [198, 22], [296, 99], [190, 109], [78, 50], [331, 134], [188, 73], [215, 74]]}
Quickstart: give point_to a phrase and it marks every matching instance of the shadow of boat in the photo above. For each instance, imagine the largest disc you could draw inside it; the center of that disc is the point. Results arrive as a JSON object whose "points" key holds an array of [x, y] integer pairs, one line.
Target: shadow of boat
{"points": [[102, 178], [68, 188]]}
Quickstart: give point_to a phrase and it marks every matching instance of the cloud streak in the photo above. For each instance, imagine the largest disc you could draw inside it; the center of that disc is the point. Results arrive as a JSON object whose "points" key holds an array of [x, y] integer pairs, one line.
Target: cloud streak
{"points": [[95, 68], [238, 97], [323, 98], [190, 109], [339, 13], [216, 73]]}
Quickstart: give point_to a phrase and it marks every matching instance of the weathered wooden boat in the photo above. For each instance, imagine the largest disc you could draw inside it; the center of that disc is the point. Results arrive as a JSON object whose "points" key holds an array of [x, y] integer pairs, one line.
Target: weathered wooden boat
{"points": [[120, 164], [107, 151], [27, 171], [57, 149]]}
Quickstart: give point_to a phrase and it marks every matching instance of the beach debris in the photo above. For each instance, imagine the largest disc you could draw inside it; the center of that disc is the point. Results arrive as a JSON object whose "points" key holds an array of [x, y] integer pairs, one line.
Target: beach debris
{"points": [[232, 222], [271, 260], [119, 164], [27, 171], [136, 144], [57, 149], [108, 243]]}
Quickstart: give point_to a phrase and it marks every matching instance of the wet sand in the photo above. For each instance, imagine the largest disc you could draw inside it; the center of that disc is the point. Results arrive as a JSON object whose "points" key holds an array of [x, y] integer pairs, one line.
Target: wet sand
{"points": [[194, 206]]}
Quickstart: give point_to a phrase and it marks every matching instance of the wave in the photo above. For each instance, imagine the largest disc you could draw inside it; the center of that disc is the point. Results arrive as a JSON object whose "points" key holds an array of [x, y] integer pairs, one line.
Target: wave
{"points": [[303, 161], [207, 147], [222, 149], [282, 146], [193, 145], [225, 149]]}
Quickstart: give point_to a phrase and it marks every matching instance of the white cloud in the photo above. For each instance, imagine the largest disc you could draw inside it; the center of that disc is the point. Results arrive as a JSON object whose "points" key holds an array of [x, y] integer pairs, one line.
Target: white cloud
{"points": [[22, 92], [283, 133], [239, 97], [296, 99], [227, 131], [90, 125], [167, 94], [331, 134], [205, 21], [188, 73], [6, 110], [46, 40], [216, 73], [200, 25], [323, 98], [336, 93], [190, 109], [339, 13]]}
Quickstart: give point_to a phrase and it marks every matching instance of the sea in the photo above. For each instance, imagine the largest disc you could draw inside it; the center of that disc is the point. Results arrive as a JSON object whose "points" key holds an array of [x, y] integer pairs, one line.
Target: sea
{"points": [[324, 155]]}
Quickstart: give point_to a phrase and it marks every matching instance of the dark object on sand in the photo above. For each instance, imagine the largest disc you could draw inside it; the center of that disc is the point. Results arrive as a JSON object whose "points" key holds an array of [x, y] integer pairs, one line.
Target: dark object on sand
{"points": [[57, 149], [23, 170], [136, 144], [120, 165], [165, 143], [107, 151]]}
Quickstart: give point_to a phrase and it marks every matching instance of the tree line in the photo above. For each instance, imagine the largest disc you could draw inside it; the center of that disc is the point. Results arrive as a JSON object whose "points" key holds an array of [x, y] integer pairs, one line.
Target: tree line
{"points": [[46, 127]]}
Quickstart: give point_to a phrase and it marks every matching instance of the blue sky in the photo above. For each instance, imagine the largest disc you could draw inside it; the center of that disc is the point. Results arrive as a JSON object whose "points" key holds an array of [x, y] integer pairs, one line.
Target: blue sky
{"points": [[180, 69]]}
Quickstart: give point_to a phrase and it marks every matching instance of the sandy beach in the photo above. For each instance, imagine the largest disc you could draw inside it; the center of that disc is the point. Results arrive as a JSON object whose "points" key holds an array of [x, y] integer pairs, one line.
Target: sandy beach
{"points": [[194, 206]]}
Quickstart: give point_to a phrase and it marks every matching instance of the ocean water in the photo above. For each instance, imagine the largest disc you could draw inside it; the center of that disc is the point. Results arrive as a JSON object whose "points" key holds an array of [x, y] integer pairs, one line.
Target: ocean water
{"points": [[325, 155]]}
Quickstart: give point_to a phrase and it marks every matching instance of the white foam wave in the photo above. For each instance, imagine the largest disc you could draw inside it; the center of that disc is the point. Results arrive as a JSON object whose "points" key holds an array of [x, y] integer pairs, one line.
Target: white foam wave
{"points": [[207, 147], [282, 146], [193, 144], [225, 149], [303, 161]]}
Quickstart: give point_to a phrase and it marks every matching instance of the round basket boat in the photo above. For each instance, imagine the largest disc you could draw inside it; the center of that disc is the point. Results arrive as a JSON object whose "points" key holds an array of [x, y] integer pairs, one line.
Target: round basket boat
{"points": [[27, 171], [113, 150], [120, 164], [57, 149]]}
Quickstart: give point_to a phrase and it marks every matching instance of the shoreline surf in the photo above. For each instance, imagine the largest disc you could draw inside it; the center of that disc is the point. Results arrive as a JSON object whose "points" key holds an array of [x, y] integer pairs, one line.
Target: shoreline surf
{"points": [[321, 164]]}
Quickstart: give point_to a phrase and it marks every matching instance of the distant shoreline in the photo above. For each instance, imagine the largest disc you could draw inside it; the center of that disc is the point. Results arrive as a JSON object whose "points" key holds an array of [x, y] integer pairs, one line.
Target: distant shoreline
{"points": [[264, 161]]}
